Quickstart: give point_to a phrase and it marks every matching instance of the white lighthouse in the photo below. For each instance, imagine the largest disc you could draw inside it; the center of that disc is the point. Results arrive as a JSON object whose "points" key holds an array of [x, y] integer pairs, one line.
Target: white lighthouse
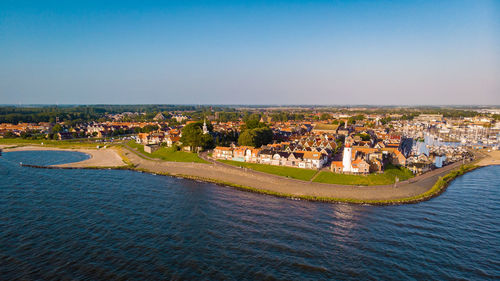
{"points": [[346, 160]]}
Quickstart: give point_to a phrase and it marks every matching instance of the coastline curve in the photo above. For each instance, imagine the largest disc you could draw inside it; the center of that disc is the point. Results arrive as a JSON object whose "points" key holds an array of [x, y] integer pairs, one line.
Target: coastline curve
{"points": [[407, 193]]}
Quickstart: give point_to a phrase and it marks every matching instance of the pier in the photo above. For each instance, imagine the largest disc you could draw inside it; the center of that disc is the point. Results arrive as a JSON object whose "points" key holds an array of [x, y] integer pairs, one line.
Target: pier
{"points": [[49, 167]]}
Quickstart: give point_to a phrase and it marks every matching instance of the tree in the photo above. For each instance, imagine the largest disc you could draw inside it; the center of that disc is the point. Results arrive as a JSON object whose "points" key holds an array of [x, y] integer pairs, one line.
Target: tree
{"points": [[247, 138], [299, 117], [226, 138], [340, 141], [364, 137], [149, 128], [325, 116], [353, 119], [57, 128], [254, 123], [9, 134], [256, 137], [192, 136], [207, 141], [254, 116]]}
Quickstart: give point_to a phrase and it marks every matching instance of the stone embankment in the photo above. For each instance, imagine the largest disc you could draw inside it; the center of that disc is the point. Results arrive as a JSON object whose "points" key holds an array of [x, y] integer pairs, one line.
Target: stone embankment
{"points": [[261, 182]]}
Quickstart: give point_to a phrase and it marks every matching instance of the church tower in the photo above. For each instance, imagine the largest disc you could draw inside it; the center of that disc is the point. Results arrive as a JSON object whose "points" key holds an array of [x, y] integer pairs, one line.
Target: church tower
{"points": [[205, 129], [346, 160]]}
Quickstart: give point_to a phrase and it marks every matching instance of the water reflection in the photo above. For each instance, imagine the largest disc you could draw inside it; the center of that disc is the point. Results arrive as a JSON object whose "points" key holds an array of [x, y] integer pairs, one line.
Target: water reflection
{"points": [[101, 225]]}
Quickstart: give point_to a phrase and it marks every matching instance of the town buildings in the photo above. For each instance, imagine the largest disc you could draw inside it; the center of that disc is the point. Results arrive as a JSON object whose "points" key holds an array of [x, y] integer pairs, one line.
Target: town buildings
{"points": [[272, 156], [341, 142]]}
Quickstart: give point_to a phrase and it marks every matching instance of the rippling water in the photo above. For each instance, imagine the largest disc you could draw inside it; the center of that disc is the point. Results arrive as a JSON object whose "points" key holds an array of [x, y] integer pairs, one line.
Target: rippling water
{"points": [[107, 224]]}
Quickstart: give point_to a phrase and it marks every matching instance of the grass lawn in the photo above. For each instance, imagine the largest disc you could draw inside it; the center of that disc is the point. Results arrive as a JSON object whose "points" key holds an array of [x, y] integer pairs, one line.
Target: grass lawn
{"points": [[168, 154], [296, 173], [53, 143], [388, 177], [137, 146]]}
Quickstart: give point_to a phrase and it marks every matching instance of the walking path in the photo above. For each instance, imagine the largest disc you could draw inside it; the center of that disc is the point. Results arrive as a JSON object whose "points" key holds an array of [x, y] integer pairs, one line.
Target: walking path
{"points": [[315, 175], [246, 177], [224, 173]]}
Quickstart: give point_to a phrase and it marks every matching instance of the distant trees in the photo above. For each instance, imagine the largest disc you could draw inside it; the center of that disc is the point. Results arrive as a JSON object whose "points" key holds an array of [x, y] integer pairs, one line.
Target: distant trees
{"points": [[9, 135], [117, 132], [385, 120], [228, 116], [286, 116], [57, 128], [338, 122], [325, 116], [32, 134], [146, 129], [253, 124], [12, 114], [247, 116], [353, 119], [281, 116], [76, 114], [83, 113]]}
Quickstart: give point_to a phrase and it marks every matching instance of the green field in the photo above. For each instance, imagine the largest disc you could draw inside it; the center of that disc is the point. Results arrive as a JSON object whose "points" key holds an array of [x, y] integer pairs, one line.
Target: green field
{"points": [[168, 154], [296, 173], [388, 177], [53, 143]]}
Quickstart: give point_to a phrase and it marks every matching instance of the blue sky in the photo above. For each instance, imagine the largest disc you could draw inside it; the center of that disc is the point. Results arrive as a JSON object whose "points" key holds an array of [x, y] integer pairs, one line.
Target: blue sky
{"points": [[250, 52]]}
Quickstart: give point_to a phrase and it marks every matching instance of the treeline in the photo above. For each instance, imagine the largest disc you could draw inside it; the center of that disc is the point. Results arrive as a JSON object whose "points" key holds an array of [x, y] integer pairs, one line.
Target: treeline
{"points": [[86, 113], [410, 113], [49, 114]]}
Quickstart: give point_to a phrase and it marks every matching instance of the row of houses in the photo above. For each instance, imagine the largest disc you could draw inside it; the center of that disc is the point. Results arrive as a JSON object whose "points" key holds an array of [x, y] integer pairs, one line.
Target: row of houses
{"points": [[169, 137], [17, 129], [272, 156]]}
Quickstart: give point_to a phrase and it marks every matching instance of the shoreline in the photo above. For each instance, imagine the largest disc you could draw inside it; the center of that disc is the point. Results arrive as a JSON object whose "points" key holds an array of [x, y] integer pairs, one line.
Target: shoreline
{"points": [[97, 157], [420, 188]]}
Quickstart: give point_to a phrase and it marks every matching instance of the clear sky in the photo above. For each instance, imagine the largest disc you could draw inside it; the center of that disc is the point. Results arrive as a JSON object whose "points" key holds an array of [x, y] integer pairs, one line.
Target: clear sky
{"points": [[250, 52]]}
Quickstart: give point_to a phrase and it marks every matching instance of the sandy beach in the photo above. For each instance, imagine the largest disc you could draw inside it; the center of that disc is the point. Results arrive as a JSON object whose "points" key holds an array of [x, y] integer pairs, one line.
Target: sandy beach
{"points": [[220, 172], [491, 158], [104, 157]]}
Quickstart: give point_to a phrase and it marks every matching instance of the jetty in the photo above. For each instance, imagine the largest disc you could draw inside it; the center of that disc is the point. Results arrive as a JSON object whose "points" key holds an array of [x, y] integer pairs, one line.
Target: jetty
{"points": [[45, 167]]}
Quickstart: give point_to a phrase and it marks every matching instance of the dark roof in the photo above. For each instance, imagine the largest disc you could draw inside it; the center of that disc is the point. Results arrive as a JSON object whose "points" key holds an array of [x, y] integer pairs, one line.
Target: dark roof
{"points": [[284, 154]]}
